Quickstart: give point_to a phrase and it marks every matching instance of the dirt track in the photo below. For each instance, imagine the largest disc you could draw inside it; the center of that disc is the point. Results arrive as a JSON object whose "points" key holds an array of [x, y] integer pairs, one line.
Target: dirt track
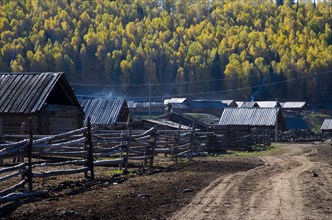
{"points": [[285, 187]]}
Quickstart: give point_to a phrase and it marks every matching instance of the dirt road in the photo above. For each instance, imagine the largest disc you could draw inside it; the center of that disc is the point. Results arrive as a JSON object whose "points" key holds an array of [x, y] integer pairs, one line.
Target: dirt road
{"points": [[291, 185]]}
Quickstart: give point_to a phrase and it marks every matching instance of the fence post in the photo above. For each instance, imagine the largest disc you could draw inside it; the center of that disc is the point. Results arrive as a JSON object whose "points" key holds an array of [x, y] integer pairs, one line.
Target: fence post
{"points": [[209, 142], [30, 155], [146, 155], [127, 153], [121, 154], [192, 140], [153, 149], [177, 143], [85, 157], [90, 150]]}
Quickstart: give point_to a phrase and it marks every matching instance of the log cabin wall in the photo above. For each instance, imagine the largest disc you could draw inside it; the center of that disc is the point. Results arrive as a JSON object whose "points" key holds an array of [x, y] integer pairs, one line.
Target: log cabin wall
{"points": [[53, 119], [61, 118], [12, 123]]}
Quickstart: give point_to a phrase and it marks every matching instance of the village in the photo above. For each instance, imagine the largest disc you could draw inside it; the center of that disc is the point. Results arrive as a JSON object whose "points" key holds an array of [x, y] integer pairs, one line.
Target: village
{"points": [[45, 126]]}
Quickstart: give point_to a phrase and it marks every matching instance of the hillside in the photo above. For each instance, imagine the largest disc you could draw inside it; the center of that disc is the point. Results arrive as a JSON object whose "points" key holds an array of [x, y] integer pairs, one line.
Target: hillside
{"points": [[223, 48]]}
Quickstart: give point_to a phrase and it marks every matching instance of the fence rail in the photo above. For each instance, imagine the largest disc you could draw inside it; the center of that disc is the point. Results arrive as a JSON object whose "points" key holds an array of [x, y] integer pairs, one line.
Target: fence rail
{"points": [[85, 148]]}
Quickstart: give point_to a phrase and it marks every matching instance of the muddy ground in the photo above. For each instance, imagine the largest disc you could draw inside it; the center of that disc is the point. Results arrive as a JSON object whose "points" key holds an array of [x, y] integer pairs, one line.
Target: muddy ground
{"points": [[293, 182]]}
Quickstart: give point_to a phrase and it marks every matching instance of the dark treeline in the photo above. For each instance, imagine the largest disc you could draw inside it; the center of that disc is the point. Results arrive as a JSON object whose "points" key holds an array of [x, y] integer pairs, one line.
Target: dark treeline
{"points": [[235, 49]]}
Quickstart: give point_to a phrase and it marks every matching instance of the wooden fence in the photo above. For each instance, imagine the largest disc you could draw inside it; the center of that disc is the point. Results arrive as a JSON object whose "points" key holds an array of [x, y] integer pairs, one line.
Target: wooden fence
{"points": [[83, 149]]}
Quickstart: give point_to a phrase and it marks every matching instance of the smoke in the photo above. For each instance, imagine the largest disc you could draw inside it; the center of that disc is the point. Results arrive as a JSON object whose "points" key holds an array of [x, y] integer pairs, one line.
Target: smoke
{"points": [[104, 95]]}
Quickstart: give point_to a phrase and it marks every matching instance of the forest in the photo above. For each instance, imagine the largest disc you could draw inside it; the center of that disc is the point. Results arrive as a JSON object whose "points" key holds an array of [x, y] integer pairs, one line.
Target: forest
{"points": [[191, 48]]}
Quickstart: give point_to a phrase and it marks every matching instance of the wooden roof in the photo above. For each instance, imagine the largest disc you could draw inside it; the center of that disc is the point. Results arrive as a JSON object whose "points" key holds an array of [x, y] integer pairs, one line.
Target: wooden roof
{"points": [[327, 125], [103, 111], [28, 92], [294, 105], [268, 104], [249, 116], [186, 120]]}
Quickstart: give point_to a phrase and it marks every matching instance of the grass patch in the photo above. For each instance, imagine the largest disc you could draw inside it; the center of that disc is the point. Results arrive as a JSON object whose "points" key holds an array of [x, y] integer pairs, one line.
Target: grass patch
{"points": [[275, 148], [116, 172]]}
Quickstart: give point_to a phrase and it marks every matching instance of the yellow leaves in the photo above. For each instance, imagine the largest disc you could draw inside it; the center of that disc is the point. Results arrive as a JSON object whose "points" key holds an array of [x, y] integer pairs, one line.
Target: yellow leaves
{"points": [[84, 17], [116, 54], [4, 24], [195, 49], [261, 65], [65, 26], [18, 64], [258, 24]]}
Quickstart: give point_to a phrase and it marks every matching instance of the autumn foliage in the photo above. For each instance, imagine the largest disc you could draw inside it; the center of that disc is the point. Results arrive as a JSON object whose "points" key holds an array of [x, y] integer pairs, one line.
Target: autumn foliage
{"points": [[221, 48]]}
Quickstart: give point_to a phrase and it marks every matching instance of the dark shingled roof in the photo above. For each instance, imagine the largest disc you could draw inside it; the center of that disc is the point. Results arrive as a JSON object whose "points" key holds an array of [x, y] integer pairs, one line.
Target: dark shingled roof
{"points": [[28, 92], [102, 111]]}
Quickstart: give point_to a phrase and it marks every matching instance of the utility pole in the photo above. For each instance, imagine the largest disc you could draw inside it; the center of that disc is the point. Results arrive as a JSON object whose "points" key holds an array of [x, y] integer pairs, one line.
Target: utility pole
{"points": [[150, 101]]}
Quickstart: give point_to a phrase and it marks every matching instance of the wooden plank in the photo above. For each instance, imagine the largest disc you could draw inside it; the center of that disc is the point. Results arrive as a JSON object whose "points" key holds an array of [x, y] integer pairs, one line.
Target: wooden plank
{"points": [[65, 143], [108, 162], [15, 144], [13, 175], [61, 172], [62, 135], [10, 169], [71, 162], [13, 188], [16, 196]]}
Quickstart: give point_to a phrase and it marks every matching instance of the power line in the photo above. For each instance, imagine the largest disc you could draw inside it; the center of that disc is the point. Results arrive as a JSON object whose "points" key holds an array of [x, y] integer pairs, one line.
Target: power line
{"points": [[226, 90], [171, 84], [242, 88]]}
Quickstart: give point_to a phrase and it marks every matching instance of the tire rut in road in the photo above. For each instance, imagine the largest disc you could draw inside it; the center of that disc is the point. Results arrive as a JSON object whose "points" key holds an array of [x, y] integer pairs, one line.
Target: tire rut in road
{"points": [[272, 191]]}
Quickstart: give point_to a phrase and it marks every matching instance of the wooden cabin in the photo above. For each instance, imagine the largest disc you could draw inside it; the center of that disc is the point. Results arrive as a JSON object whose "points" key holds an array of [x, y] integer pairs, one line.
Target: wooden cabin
{"points": [[239, 122], [46, 98], [179, 105], [294, 108]]}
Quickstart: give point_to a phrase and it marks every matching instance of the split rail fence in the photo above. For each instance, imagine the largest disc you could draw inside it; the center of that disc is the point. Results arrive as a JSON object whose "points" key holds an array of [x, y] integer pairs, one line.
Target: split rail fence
{"points": [[79, 151]]}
